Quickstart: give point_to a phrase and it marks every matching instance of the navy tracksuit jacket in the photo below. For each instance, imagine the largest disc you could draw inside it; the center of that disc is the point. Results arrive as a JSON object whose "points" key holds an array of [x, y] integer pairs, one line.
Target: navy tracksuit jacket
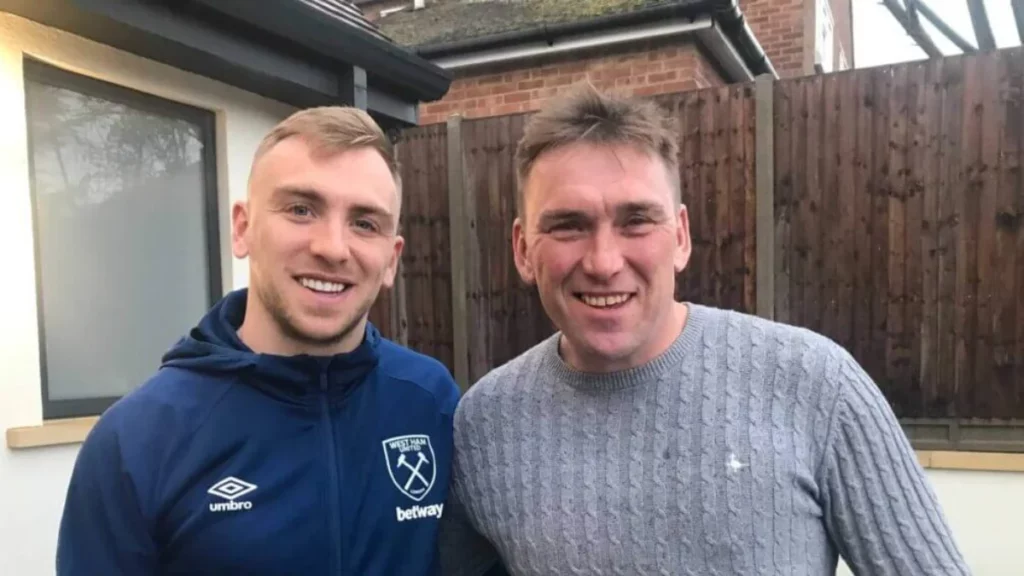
{"points": [[231, 462]]}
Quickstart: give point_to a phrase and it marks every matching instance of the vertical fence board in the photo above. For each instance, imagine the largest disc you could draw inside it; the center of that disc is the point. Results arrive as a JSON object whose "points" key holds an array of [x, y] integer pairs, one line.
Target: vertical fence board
{"points": [[813, 193], [1013, 220], [895, 194], [783, 200], [798, 239], [914, 238], [930, 167], [949, 219], [987, 396], [1007, 256], [735, 277], [830, 242], [864, 182], [458, 236], [476, 157], [876, 361], [846, 189], [758, 291], [967, 202]]}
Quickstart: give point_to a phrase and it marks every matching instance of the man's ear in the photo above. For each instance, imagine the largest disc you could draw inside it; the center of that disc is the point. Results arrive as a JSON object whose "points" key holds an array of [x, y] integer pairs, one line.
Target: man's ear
{"points": [[240, 229], [391, 270], [683, 245], [519, 250]]}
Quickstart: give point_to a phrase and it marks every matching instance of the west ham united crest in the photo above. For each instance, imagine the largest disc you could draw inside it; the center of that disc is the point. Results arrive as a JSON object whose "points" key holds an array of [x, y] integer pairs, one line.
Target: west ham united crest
{"points": [[410, 461]]}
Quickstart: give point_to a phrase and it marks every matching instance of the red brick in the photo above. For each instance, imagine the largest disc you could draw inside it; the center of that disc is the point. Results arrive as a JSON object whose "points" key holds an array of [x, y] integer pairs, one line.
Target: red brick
{"points": [[661, 77], [516, 97]]}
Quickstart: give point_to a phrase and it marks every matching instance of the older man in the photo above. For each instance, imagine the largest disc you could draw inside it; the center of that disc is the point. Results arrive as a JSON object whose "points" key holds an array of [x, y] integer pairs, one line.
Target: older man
{"points": [[649, 436]]}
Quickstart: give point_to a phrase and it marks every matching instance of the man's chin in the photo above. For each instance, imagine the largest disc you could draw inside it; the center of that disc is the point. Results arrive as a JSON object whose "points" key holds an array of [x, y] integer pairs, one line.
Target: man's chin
{"points": [[603, 347], [320, 333]]}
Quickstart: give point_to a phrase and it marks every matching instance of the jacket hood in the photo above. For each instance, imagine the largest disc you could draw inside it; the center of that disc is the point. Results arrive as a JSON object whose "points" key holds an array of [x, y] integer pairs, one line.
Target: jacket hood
{"points": [[213, 347]]}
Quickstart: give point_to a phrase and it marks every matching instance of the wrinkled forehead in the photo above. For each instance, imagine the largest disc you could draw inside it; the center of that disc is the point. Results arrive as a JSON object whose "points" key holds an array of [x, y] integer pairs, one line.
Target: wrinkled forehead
{"points": [[597, 179]]}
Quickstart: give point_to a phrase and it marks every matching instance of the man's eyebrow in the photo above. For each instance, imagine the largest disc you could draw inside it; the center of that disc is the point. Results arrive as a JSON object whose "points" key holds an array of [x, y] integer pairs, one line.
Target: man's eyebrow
{"points": [[652, 209], [308, 194], [371, 210], [550, 217]]}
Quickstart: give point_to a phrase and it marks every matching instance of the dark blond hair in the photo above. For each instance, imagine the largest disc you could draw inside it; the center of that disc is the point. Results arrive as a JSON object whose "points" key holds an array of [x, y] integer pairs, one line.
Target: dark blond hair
{"points": [[332, 129], [588, 115]]}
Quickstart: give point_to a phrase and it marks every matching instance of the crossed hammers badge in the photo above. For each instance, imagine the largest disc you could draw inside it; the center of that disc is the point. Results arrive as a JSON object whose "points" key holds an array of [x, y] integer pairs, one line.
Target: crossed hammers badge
{"points": [[410, 461]]}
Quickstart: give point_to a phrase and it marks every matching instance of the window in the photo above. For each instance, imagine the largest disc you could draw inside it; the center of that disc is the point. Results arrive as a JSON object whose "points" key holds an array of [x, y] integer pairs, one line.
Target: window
{"points": [[126, 238]]}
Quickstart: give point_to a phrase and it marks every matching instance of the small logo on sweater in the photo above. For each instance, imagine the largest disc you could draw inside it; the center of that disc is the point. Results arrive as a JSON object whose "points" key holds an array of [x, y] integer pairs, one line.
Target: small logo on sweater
{"points": [[734, 465], [410, 462], [231, 489]]}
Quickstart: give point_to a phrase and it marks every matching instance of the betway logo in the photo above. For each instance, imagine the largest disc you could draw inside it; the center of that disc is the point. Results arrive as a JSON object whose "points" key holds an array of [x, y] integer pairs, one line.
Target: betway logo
{"points": [[417, 512]]}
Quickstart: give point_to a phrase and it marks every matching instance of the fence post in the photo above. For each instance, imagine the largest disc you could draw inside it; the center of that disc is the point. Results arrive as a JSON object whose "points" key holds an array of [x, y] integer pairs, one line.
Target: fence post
{"points": [[458, 237], [765, 177]]}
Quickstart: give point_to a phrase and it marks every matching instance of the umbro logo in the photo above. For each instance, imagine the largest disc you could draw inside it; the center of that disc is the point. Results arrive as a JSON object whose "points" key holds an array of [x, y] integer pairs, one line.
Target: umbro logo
{"points": [[231, 489]]}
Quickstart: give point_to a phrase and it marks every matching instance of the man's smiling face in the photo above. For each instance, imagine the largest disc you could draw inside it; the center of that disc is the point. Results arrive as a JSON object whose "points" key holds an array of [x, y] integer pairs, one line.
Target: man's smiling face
{"points": [[320, 234], [603, 237]]}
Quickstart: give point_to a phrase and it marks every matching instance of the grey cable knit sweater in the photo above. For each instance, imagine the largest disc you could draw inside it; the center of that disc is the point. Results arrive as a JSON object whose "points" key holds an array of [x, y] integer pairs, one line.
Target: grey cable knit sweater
{"points": [[747, 448]]}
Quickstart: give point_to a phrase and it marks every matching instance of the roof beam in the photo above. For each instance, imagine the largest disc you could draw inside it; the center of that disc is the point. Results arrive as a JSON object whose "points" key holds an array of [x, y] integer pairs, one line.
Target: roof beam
{"points": [[941, 25], [913, 27], [982, 29], [1018, 15]]}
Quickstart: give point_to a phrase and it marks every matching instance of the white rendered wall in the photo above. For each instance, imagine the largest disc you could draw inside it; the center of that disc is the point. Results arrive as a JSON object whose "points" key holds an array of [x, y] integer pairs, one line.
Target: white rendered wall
{"points": [[33, 481]]}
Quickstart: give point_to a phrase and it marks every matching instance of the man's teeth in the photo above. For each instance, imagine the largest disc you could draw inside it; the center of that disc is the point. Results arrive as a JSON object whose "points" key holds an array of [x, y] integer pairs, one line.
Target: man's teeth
{"points": [[321, 286], [604, 301]]}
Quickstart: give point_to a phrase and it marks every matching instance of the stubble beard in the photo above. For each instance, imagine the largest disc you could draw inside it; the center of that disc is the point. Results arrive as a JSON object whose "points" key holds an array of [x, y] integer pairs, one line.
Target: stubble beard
{"points": [[277, 310]]}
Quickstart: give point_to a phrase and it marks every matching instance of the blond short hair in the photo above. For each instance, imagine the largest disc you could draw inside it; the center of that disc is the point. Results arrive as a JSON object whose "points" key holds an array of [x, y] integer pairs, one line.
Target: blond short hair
{"points": [[588, 115], [332, 129]]}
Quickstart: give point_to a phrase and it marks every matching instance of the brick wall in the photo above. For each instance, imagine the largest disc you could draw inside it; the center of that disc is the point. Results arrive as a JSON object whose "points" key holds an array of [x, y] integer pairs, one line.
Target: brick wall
{"points": [[644, 70], [778, 26], [785, 30]]}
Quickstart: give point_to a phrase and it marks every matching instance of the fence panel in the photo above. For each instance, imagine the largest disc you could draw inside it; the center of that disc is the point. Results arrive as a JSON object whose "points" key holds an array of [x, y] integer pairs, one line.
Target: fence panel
{"points": [[897, 198]]}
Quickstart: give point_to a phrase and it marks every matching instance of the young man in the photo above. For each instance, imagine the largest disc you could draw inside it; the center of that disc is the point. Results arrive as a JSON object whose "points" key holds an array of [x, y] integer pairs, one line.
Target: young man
{"points": [[649, 436], [283, 434]]}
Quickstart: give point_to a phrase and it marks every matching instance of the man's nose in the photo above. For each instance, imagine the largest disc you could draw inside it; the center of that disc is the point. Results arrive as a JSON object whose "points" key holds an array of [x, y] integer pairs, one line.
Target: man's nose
{"points": [[330, 241], [604, 255]]}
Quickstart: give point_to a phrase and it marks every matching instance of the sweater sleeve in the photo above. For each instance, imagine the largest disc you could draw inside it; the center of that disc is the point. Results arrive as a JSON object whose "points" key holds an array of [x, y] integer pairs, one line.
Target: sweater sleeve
{"points": [[879, 506], [102, 530]]}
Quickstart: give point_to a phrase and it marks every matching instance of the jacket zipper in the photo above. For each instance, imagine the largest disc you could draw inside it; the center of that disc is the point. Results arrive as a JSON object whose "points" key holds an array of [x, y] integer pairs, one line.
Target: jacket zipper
{"points": [[333, 488]]}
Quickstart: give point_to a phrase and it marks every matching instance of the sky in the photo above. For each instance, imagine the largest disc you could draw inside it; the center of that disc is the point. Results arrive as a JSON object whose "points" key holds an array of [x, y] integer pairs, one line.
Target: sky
{"points": [[872, 20]]}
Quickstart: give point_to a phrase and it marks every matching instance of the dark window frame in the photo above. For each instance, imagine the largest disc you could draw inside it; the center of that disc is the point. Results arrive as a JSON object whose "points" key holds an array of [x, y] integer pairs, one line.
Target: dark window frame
{"points": [[38, 72]]}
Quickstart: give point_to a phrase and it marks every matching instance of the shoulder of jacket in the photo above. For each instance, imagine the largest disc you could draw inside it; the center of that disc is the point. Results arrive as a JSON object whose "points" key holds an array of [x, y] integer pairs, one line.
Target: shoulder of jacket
{"points": [[404, 364]]}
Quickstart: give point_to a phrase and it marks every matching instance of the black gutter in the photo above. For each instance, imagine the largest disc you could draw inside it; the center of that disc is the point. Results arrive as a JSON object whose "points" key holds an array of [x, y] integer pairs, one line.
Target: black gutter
{"points": [[725, 12], [317, 30]]}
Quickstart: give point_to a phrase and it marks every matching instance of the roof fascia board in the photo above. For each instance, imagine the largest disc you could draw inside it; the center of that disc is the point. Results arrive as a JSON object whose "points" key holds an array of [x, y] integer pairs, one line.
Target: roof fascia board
{"points": [[573, 43], [705, 30], [320, 32], [156, 32], [725, 54]]}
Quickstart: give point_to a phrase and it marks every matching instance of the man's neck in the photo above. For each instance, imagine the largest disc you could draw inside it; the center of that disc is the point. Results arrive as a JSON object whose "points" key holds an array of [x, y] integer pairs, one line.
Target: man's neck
{"points": [[667, 332]]}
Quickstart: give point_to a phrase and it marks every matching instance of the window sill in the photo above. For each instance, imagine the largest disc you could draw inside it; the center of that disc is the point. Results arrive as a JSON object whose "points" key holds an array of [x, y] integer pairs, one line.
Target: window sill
{"points": [[50, 433], [976, 461]]}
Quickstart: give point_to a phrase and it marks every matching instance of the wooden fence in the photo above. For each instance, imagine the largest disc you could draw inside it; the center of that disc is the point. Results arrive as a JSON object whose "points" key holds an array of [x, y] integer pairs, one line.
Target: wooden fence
{"points": [[882, 208]]}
